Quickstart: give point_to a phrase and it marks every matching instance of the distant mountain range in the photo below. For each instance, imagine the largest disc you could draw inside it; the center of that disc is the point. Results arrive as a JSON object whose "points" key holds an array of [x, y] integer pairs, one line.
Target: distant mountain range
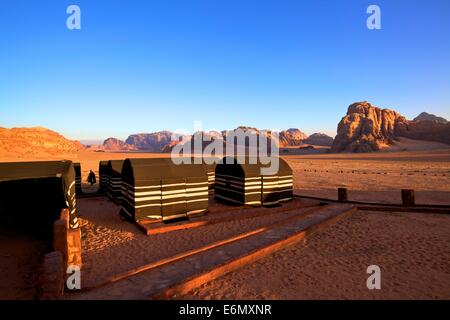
{"points": [[162, 141], [365, 128]]}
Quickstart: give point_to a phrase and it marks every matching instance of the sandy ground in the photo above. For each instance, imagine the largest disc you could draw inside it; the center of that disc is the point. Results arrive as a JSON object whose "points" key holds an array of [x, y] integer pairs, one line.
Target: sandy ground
{"points": [[111, 246], [411, 249], [20, 257], [375, 176]]}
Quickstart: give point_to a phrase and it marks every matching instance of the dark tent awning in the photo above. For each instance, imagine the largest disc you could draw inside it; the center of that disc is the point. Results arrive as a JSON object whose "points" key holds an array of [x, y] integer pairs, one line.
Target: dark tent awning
{"points": [[35, 192]]}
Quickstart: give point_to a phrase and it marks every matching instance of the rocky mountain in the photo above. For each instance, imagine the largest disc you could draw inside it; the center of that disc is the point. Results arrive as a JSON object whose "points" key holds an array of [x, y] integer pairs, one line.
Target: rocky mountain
{"points": [[114, 144], [36, 142], [430, 117], [291, 138], [162, 142], [152, 142], [367, 128], [319, 139]]}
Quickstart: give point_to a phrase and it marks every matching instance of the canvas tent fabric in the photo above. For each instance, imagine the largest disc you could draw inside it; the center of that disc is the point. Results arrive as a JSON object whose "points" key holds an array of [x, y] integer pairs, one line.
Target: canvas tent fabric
{"points": [[210, 167], [159, 189], [243, 184], [77, 167], [114, 181], [102, 172], [34, 193], [211, 172]]}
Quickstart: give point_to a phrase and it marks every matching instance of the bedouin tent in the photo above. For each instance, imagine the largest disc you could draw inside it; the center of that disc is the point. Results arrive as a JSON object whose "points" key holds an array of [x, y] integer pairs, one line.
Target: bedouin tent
{"points": [[77, 167], [114, 181], [211, 172], [159, 189], [210, 167], [34, 193], [103, 177], [243, 183]]}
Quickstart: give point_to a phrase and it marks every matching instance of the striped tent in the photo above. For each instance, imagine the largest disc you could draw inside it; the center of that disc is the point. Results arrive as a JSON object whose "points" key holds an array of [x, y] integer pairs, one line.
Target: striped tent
{"points": [[159, 189], [243, 183], [211, 172], [33, 193], [103, 177], [114, 181], [210, 167], [77, 167]]}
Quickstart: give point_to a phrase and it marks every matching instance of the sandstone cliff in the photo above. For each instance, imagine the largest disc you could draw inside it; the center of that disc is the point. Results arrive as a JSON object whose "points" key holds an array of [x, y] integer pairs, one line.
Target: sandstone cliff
{"points": [[366, 128]]}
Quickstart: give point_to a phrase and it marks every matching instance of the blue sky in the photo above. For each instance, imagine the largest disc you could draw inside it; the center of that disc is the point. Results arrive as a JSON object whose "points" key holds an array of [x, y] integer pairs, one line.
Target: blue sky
{"points": [[143, 66]]}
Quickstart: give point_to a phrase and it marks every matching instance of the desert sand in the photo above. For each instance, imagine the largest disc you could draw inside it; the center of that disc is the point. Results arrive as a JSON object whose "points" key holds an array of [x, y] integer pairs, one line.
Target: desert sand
{"points": [[412, 250], [20, 255], [112, 246]]}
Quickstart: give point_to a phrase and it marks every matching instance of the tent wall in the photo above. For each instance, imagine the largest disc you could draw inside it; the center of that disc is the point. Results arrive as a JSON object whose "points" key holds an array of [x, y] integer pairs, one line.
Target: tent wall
{"points": [[34, 193], [211, 172], [103, 175], [77, 167], [114, 181], [243, 184], [159, 189]]}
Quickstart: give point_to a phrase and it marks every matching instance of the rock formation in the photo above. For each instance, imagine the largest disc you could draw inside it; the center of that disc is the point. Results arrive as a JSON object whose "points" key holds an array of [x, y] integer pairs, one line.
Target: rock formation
{"points": [[367, 128], [37, 142], [113, 144], [152, 142], [430, 117], [292, 137], [319, 139]]}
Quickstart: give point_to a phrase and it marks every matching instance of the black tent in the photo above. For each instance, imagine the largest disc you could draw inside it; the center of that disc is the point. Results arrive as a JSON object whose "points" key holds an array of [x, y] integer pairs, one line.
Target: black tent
{"points": [[159, 189], [210, 167], [103, 176], [243, 183], [77, 167], [34, 193], [114, 181], [211, 172]]}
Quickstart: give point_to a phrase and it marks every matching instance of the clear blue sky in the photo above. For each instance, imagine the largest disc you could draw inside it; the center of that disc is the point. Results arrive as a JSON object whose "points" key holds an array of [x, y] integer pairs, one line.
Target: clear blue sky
{"points": [[143, 66]]}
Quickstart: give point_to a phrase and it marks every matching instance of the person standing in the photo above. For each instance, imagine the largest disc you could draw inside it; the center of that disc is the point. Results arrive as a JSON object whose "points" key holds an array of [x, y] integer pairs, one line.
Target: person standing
{"points": [[91, 177]]}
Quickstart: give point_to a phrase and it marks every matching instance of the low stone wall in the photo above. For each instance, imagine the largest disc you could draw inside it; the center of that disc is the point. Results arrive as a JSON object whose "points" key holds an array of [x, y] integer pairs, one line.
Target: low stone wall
{"points": [[67, 253]]}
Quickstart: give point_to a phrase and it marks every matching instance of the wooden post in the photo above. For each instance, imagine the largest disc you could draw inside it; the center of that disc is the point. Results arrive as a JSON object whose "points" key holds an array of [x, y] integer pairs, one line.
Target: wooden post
{"points": [[51, 277], [408, 199], [342, 195]]}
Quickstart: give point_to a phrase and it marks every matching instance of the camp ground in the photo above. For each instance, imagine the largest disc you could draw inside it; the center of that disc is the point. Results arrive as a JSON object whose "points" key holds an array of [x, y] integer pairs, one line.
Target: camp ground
{"points": [[34, 193], [244, 184], [180, 236], [160, 189], [113, 179]]}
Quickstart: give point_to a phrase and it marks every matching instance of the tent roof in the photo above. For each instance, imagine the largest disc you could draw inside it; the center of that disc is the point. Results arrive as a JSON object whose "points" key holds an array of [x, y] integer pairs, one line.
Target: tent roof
{"points": [[33, 170], [252, 166], [102, 166], [115, 166], [157, 168]]}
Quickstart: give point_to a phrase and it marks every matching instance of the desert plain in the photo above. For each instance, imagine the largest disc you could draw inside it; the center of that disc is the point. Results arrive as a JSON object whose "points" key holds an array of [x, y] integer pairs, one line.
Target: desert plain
{"points": [[412, 249]]}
